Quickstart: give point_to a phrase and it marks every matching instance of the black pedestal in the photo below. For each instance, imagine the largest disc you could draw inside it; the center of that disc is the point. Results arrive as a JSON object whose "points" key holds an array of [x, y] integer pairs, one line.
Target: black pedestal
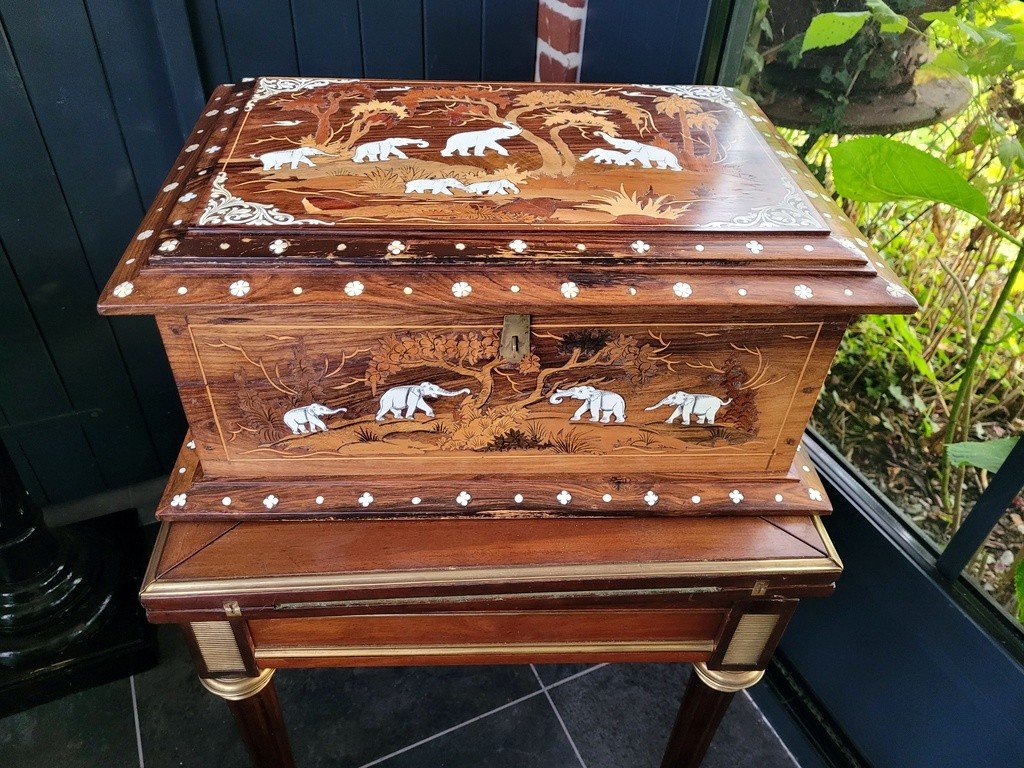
{"points": [[108, 640]]}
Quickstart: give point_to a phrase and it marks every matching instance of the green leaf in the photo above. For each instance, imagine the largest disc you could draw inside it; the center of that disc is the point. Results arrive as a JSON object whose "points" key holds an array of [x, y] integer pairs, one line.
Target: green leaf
{"points": [[1018, 583], [829, 29], [989, 454], [874, 169], [888, 20], [1010, 151]]}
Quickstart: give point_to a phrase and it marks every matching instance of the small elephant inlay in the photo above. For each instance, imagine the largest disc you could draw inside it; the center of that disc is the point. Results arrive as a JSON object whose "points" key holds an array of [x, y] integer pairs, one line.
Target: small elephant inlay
{"points": [[272, 161], [601, 403], [412, 398], [298, 419], [704, 407]]}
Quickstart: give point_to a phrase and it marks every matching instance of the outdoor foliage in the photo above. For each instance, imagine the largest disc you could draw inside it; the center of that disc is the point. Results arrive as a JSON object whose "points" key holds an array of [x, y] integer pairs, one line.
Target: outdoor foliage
{"points": [[930, 406]]}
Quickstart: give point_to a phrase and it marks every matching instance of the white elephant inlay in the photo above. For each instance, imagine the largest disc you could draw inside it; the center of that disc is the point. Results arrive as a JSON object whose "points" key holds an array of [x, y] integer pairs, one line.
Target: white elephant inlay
{"points": [[298, 419], [385, 149], [601, 403], [478, 142], [496, 187], [432, 186], [704, 407], [645, 154], [273, 161], [600, 155], [412, 398]]}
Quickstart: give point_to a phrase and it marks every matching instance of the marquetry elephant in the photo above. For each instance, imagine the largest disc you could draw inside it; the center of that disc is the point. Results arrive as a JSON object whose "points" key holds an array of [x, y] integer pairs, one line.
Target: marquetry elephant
{"points": [[645, 154], [412, 398], [272, 161], [601, 403], [385, 149], [297, 419], [478, 142], [496, 187], [704, 407]]}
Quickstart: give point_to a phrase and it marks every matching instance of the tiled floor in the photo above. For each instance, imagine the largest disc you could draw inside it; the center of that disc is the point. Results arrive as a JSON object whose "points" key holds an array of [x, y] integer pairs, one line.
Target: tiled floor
{"points": [[564, 716]]}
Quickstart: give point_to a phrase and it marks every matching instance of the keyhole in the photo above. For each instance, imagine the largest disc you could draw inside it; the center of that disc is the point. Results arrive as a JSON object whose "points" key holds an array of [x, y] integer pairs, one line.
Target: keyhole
{"points": [[515, 344]]}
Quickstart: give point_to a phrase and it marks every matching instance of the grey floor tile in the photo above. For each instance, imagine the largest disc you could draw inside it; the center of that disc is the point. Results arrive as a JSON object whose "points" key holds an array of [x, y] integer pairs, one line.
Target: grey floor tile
{"points": [[526, 735], [348, 717], [84, 730], [552, 673], [183, 725], [621, 715]]}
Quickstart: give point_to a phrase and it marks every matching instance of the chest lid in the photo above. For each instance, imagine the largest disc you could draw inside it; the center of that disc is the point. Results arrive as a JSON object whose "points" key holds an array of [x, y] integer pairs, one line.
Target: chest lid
{"points": [[310, 190]]}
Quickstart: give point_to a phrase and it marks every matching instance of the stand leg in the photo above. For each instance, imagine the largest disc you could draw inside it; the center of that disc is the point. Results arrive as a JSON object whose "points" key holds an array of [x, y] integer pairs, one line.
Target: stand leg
{"points": [[253, 702], [707, 697]]}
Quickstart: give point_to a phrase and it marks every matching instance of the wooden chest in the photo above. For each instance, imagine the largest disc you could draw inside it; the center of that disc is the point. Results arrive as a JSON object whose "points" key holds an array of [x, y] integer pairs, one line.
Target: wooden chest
{"points": [[494, 299]]}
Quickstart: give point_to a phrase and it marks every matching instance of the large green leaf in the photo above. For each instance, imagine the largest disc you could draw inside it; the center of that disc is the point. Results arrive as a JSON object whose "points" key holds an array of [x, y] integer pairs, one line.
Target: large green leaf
{"points": [[1018, 582], [888, 20], [989, 454], [828, 29], [874, 169]]}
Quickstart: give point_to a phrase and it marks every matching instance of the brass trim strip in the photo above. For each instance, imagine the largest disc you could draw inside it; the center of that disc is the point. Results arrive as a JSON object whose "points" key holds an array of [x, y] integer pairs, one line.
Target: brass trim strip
{"points": [[154, 559], [412, 651], [237, 688], [235, 587], [726, 681], [833, 553]]}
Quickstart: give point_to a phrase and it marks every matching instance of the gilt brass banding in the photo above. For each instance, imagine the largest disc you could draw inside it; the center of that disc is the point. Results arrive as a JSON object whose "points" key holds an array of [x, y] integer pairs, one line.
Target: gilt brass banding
{"points": [[726, 682], [218, 646], [749, 639], [451, 577], [530, 649], [237, 688]]}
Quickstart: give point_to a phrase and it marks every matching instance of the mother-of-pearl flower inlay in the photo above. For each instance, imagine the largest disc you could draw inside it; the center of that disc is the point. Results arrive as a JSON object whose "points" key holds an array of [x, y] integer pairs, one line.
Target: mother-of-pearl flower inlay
{"points": [[239, 288], [682, 290], [803, 292], [651, 498], [279, 246], [570, 290], [736, 496], [463, 499], [395, 247], [640, 246], [179, 500], [461, 289], [517, 245], [366, 499], [564, 497], [270, 501], [123, 289], [354, 288]]}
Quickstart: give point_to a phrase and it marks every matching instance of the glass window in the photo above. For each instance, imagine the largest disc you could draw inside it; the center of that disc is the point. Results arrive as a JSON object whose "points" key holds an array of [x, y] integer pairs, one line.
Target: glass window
{"points": [[926, 406]]}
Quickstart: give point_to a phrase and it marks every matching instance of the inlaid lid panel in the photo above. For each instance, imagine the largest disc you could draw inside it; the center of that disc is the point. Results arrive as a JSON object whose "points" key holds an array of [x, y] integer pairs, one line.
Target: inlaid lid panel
{"points": [[281, 176]]}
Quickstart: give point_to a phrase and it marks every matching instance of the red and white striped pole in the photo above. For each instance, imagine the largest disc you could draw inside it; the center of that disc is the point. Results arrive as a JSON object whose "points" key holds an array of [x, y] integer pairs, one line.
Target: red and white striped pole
{"points": [[561, 25]]}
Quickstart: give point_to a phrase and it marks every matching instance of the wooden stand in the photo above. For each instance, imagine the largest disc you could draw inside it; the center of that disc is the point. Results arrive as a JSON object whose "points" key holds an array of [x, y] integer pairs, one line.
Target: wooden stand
{"points": [[256, 596]]}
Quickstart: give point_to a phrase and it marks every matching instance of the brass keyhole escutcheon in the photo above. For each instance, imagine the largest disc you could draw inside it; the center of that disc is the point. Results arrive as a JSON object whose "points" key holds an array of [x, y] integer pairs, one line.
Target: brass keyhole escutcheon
{"points": [[515, 338]]}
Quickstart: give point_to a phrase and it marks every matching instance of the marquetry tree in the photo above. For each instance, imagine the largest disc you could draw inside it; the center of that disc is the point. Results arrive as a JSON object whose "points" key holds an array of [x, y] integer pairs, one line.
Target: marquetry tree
{"points": [[680, 108], [465, 105], [323, 104], [735, 381], [366, 113], [585, 122]]}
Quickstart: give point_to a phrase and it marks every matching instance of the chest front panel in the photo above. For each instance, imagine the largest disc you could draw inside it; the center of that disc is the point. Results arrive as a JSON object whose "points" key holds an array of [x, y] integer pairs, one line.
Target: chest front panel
{"points": [[338, 396]]}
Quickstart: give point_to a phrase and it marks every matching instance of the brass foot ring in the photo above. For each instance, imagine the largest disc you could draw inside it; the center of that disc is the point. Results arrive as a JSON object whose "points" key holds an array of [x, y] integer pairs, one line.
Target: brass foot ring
{"points": [[726, 682], [237, 688]]}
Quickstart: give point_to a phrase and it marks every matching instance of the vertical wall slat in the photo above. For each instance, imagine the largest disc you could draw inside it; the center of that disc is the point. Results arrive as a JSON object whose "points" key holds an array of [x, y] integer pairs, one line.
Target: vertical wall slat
{"points": [[657, 41], [451, 39], [52, 456], [180, 61], [38, 230], [208, 38], [392, 32], [509, 45], [327, 37], [259, 37]]}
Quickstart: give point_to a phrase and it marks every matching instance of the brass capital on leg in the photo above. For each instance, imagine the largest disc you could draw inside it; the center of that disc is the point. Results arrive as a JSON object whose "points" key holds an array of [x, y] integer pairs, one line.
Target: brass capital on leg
{"points": [[726, 682], [237, 688]]}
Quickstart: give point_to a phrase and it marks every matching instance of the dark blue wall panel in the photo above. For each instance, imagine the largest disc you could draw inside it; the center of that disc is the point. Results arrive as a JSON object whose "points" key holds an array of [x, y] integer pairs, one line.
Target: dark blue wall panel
{"points": [[654, 41], [327, 37], [509, 44], [451, 39]]}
